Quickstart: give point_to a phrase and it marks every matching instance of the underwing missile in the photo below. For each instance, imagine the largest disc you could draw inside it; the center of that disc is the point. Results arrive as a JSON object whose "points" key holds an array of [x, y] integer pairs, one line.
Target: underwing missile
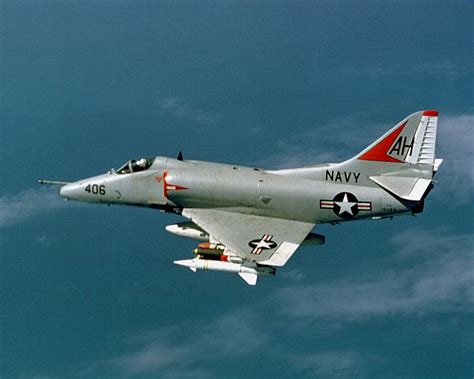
{"points": [[248, 272]]}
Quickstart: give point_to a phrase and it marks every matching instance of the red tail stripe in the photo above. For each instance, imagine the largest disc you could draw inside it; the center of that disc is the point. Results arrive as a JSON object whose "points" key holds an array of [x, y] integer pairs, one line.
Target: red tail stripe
{"points": [[379, 151]]}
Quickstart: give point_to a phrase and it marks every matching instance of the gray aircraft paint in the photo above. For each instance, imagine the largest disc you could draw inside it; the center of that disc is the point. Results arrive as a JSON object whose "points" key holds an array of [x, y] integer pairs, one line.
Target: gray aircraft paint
{"points": [[390, 177], [211, 185]]}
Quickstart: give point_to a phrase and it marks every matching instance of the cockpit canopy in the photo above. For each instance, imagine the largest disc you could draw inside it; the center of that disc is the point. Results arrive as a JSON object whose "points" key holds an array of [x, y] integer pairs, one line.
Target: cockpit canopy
{"points": [[135, 165]]}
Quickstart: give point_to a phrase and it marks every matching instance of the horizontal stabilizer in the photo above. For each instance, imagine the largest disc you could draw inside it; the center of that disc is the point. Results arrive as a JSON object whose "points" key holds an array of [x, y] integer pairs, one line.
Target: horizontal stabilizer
{"points": [[411, 189], [437, 163]]}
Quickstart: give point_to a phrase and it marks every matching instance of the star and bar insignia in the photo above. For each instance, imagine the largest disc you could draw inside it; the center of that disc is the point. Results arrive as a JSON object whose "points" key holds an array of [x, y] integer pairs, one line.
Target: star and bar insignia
{"points": [[264, 243], [346, 205]]}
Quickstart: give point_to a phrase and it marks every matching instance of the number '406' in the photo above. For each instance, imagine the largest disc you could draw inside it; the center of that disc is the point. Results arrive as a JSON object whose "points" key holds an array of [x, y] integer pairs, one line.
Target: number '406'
{"points": [[95, 189]]}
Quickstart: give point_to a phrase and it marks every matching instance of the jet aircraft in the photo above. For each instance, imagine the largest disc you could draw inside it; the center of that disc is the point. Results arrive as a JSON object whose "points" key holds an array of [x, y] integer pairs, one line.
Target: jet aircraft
{"points": [[250, 221]]}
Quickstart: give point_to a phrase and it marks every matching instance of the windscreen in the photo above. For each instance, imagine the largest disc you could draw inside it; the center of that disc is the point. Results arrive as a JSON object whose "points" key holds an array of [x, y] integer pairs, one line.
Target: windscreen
{"points": [[135, 165]]}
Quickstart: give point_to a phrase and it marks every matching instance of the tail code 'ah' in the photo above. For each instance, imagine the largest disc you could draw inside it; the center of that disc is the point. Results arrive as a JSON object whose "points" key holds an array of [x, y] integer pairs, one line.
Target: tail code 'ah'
{"points": [[410, 141]]}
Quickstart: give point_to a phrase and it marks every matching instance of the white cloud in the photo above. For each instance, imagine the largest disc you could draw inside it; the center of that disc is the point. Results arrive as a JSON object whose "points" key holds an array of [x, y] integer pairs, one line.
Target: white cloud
{"points": [[429, 271], [335, 141], [179, 107], [439, 279], [455, 144], [331, 363], [295, 274], [174, 350], [20, 207]]}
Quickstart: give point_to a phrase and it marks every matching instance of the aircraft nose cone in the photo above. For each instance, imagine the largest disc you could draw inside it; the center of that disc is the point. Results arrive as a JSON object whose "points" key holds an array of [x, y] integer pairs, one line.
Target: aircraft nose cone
{"points": [[68, 191]]}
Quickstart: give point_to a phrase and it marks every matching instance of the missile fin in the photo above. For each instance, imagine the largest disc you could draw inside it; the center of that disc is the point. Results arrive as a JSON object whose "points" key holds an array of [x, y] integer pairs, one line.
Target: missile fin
{"points": [[251, 279]]}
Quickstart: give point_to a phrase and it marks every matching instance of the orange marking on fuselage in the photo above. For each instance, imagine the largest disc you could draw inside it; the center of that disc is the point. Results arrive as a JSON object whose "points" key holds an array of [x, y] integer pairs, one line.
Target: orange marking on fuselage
{"points": [[170, 187]]}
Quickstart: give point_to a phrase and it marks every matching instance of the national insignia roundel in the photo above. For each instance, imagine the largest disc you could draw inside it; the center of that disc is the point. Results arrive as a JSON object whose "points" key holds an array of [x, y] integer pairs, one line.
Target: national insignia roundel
{"points": [[346, 205], [264, 243]]}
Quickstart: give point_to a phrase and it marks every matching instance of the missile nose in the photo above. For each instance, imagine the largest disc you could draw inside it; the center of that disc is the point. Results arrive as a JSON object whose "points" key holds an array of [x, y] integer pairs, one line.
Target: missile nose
{"points": [[190, 263]]}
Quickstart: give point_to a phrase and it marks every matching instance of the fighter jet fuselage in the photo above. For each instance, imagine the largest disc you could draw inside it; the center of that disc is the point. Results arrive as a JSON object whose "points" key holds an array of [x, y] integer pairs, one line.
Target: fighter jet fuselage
{"points": [[251, 220], [172, 185]]}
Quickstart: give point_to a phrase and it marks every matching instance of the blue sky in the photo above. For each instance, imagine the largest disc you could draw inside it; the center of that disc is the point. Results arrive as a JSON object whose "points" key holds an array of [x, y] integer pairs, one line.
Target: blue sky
{"points": [[91, 291]]}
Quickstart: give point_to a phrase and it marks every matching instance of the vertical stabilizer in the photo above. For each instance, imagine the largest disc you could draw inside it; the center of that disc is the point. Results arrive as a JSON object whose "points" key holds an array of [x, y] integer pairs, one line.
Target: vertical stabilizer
{"points": [[402, 161], [410, 141], [425, 139]]}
